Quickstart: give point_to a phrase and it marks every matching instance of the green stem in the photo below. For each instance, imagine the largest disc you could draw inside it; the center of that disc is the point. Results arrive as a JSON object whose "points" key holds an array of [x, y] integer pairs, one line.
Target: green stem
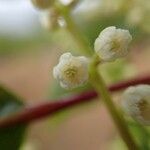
{"points": [[73, 30], [101, 89]]}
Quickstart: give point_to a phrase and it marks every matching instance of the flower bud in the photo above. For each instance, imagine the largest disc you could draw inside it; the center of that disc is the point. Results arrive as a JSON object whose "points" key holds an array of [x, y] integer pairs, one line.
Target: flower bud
{"points": [[71, 71], [136, 102], [112, 43], [42, 4], [49, 20], [67, 2]]}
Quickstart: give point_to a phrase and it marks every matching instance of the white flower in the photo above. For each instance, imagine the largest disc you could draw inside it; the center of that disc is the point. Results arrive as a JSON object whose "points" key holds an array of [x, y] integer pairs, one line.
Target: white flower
{"points": [[136, 102], [71, 71], [112, 43], [66, 2]]}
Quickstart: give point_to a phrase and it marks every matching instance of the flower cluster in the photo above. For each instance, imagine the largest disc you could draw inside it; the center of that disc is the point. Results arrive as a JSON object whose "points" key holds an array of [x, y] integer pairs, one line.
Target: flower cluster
{"points": [[111, 44]]}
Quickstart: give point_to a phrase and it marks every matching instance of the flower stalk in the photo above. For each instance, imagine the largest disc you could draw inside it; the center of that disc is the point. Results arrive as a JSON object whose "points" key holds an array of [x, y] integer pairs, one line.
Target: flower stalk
{"points": [[100, 87], [72, 28]]}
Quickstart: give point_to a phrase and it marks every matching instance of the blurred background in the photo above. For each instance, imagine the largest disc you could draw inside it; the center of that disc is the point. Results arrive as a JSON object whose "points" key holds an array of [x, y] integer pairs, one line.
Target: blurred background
{"points": [[30, 47]]}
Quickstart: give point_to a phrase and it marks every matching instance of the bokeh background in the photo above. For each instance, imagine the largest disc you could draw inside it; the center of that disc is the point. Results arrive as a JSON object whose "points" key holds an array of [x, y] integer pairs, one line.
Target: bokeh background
{"points": [[28, 53]]}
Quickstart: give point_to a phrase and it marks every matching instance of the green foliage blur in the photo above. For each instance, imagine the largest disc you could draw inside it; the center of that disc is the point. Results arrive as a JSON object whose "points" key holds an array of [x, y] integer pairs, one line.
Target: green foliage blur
{"points": [[10, 137]]}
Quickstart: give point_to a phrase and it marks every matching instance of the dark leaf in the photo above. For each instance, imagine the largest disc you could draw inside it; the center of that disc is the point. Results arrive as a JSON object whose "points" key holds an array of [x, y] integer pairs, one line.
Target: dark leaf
{"points": [[10, 137]]}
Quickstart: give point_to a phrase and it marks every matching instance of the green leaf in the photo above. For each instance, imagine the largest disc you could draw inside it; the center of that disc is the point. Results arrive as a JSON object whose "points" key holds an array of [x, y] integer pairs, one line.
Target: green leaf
{"points": [[10, 137]]}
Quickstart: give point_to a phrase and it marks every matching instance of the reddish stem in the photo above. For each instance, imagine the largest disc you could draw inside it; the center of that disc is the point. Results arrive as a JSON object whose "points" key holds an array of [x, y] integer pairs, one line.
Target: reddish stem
{"points": [[32, 113]]}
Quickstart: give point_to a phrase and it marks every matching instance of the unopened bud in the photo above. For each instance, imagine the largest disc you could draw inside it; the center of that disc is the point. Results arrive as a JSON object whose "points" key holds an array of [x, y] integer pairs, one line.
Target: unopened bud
{"points": [[112, 43], [42, 4]]}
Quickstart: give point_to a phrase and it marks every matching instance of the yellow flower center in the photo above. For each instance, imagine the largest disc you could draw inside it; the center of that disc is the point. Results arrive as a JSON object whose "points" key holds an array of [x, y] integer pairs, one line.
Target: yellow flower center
{"points": [[70, 72], [115, 45]]}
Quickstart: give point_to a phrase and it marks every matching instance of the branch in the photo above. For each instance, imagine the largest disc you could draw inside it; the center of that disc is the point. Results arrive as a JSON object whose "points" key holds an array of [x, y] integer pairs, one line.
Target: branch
{"points": [[36, 112]]}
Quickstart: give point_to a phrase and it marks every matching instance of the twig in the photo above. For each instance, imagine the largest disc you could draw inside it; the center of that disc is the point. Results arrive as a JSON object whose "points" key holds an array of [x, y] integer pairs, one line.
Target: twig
{"points": [[36, 112]]}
